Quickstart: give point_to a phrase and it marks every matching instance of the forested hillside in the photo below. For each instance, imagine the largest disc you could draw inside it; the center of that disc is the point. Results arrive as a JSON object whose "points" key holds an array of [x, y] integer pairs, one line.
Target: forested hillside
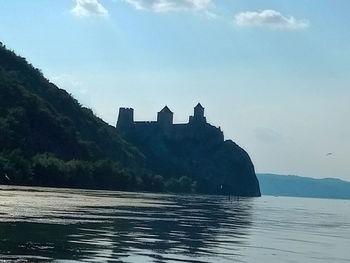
{"points": [[47, 138]]}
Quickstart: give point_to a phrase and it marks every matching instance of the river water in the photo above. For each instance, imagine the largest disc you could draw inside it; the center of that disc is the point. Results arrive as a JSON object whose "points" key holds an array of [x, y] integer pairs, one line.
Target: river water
{"points": [[65, 225]]}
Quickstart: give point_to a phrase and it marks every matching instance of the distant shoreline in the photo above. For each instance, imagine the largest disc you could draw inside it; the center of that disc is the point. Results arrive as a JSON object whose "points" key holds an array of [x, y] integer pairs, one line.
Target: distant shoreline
{"points": [[297, 186]]}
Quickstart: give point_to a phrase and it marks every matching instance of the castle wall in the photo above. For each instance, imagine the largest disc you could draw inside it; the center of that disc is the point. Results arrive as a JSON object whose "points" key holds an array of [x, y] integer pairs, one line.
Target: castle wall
{"points": [[197, 128], [144, 123]]}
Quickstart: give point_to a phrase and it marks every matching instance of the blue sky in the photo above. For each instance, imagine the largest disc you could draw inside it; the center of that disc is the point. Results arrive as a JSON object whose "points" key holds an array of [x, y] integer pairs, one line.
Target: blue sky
{"points": [[274, 74]]}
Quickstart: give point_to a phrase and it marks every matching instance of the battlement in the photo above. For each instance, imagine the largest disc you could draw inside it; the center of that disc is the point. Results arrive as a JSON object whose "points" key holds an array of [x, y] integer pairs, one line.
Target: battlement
{"points": [[125, 117], [197, 125], [165, 117]]}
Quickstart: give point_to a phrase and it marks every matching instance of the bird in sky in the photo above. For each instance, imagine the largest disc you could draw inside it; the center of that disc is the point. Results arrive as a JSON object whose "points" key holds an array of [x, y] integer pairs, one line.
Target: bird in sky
{"points": [[329, 154]]}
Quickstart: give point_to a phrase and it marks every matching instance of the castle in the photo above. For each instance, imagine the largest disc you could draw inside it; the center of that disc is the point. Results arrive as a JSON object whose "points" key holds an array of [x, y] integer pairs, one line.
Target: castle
{"points": [[196, 150], [196, 125]]}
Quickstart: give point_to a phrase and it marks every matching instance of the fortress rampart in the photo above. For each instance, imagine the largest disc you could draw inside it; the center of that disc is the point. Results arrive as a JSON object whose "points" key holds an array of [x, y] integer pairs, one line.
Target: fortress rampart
{"points": [[197, 126]]}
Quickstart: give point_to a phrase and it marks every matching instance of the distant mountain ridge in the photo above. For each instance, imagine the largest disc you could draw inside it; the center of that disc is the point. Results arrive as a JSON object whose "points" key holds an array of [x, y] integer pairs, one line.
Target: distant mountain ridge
{"points": [[297, 186]]}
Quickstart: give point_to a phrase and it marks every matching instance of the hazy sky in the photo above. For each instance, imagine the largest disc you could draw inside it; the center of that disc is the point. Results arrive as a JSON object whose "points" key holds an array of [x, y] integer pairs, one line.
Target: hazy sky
{"points": [[274, 74]]}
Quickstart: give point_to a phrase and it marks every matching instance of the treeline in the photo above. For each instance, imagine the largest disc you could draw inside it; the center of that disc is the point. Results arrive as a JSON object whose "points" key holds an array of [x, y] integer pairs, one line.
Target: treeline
{"points": [[47, 170]]}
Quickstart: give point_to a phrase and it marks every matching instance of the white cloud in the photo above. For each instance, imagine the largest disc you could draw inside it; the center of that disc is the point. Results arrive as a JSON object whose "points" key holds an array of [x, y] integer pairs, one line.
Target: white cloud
{"points": [[171, 5], [87, 8], [271, 19]]}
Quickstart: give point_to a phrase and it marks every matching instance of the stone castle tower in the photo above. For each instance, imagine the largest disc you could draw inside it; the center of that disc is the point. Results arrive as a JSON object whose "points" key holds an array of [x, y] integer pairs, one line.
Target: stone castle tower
{"points": [[165, 117], [198, 116], [125, 117]]}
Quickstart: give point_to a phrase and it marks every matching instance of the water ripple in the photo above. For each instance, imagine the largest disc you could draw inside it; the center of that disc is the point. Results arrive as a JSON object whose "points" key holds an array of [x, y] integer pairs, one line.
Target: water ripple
{"points": [[64, 225]]}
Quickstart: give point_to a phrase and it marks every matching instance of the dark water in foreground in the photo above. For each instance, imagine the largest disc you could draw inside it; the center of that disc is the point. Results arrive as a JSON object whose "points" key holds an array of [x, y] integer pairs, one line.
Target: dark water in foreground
{"points": [[61, 225]]}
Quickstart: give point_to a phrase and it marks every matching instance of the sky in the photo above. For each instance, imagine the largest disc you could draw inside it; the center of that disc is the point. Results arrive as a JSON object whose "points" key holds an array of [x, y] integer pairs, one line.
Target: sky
{"points": [[273, 74]]}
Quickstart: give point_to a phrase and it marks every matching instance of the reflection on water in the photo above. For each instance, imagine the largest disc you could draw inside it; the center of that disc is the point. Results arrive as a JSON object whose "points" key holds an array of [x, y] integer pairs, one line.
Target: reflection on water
{"points": [[41, 224]]}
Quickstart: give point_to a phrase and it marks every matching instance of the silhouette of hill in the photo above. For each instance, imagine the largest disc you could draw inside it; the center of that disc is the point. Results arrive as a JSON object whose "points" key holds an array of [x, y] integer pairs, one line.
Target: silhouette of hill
{"points": [[297, 186], [48, 139]]}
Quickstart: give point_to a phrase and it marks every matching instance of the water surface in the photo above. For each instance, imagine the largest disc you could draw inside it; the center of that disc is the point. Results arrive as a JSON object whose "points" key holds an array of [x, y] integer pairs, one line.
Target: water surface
{"points": [[65, 225]]}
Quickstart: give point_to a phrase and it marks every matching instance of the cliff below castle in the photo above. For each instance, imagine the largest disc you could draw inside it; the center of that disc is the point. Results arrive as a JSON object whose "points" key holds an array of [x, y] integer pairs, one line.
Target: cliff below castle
{"points": [[195, 153]]}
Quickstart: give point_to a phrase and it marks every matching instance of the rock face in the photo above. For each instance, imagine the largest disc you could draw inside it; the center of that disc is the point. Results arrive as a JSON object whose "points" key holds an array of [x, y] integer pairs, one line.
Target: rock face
{"points": [[196, 150]]}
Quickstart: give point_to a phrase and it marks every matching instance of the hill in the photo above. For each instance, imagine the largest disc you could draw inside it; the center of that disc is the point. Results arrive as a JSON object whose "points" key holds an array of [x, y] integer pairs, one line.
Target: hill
{"points": [[291, 185], [48, 139]]}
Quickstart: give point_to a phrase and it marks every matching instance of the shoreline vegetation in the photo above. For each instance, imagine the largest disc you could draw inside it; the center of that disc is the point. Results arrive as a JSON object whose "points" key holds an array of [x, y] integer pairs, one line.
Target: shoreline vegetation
{"points": [[47, 138]]}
